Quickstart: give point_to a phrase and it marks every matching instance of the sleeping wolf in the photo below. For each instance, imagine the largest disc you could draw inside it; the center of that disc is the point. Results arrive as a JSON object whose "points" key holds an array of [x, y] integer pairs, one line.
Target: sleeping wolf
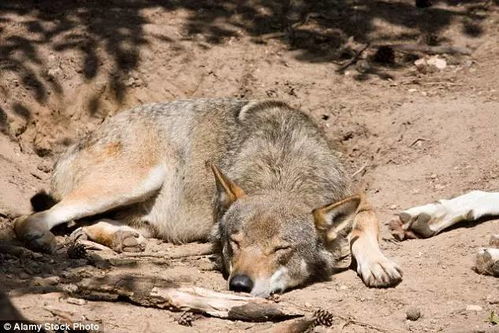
{"points": [[278, 209]]}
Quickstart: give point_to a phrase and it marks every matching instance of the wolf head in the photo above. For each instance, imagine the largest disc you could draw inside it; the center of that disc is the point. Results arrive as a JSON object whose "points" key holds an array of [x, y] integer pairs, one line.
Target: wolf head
{"points": [[269, 242]]}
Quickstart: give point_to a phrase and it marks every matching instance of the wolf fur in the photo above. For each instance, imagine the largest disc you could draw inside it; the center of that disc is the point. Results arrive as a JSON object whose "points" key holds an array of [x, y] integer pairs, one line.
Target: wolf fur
{"points": [[279, 210]]}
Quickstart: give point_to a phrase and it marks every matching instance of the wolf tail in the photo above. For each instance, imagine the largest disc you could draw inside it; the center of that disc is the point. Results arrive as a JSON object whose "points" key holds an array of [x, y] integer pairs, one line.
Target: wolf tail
{"points": [[42, 201]]}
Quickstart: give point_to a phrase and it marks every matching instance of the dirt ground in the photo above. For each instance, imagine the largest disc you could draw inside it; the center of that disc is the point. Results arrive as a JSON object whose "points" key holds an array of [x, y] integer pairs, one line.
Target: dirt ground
{"points": [[409, 134]]}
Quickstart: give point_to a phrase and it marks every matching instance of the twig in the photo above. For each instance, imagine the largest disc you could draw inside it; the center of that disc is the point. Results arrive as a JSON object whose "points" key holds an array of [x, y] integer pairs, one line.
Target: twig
{"points": [[447, 49], [350, 320], [206, 249], [354, 59], [59, 313], [359, 171], [94, 246], [417, 140], [293, 326]]}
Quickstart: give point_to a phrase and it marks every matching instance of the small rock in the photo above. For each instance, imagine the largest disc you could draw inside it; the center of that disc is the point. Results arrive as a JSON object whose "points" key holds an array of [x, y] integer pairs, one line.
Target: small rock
{"points": [[363, 66], [437, 62], [473, 307], [413, 314], [343, 287], [76, 301], [493, 299], [433, 176], [50, 281]]}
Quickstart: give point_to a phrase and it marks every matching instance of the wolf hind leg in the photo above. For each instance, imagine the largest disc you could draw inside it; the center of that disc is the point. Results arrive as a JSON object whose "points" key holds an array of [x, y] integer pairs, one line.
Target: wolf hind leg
{"points": [[91, 196], [431, 219]]}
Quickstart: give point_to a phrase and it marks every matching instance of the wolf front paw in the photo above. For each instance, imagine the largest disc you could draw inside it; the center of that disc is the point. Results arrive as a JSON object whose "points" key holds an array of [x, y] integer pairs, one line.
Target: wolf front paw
{"points": [[380, 272], [34, 235], [128, 241]]}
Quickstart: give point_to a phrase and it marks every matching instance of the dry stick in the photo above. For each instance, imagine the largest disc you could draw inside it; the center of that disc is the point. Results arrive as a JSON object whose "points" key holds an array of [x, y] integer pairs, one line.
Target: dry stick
{"points": [[293, 326], [364, 324], [60, 313], [354, 59], [158, 293], [348, 320], [90, 245], [417, 140], [359, 171], [447, 49], [206, 249]]}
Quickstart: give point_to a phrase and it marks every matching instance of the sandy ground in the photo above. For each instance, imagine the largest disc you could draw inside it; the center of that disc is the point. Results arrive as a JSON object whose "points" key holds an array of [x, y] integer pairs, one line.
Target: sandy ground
{"points": [[410, 136]]}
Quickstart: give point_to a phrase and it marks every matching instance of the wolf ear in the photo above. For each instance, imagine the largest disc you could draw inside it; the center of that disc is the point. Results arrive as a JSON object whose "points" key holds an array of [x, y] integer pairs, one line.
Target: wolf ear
{"points": [[333, 218], [228, 191]]}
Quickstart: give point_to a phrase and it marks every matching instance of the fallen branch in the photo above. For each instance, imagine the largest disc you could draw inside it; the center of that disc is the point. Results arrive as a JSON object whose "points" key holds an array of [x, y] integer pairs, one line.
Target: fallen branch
{"points": [[164, 294]]}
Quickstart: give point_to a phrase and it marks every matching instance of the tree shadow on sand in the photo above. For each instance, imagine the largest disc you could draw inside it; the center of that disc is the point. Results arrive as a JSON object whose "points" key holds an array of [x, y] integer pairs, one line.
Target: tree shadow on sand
{"points": [[316, 29]]}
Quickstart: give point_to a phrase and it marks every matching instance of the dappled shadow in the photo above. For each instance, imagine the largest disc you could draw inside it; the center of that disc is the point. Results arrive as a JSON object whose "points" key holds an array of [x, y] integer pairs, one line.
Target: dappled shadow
{"points": [[83, 26], [318, 30]]}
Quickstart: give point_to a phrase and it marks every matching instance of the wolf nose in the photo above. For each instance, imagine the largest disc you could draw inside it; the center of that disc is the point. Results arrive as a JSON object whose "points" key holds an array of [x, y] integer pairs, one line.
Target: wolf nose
{"points": [[241, 283]]}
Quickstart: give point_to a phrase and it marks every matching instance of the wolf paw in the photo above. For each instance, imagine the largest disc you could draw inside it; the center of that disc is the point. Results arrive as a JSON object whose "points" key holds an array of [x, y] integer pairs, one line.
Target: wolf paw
{"points": [[380, 272], [34, 235], [128, 241], [421, 221]]}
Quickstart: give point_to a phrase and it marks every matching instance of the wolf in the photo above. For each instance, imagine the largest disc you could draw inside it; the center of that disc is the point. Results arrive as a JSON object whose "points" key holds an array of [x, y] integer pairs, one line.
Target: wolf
{"points": [[257, 178]]}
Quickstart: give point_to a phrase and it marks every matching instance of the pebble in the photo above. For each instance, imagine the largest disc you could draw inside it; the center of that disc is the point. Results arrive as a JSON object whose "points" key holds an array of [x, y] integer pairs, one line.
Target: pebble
{"points": [[76, 301], [413, 314], [50, 281], [437, 62]]}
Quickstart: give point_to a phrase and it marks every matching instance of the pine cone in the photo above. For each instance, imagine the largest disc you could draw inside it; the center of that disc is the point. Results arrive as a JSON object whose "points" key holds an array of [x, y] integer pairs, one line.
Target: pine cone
{"points": [[186, 319], [323, 318], [76, 251]]}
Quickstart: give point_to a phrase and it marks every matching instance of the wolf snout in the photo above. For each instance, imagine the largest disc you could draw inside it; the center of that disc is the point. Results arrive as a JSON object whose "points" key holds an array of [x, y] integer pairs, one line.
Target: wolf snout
{"points": [[241, 283]]}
